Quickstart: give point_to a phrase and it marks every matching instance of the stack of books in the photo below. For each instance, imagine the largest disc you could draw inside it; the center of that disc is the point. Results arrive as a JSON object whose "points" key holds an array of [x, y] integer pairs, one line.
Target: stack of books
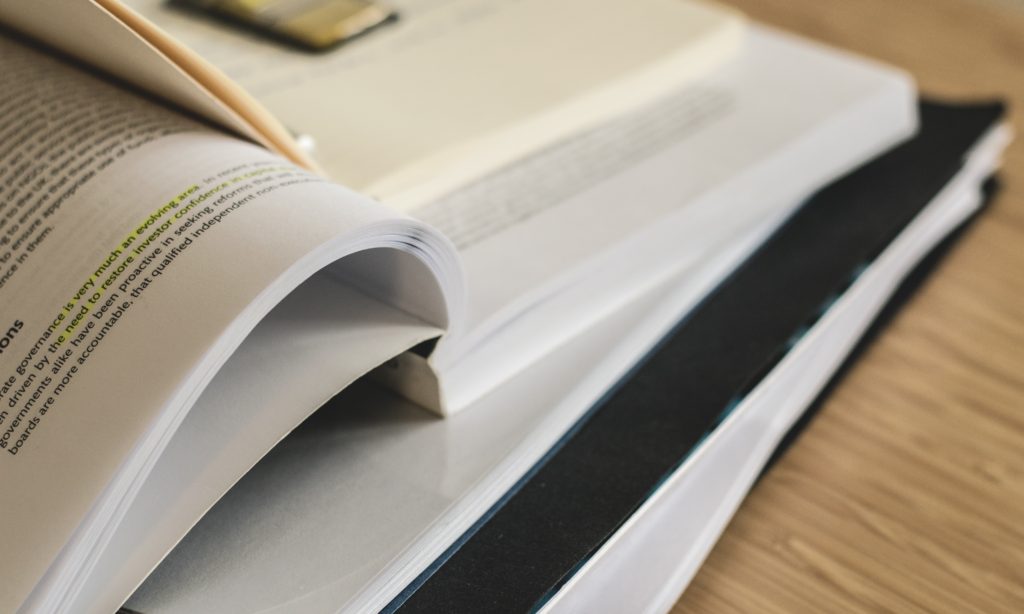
{"points": [[498, 306]]}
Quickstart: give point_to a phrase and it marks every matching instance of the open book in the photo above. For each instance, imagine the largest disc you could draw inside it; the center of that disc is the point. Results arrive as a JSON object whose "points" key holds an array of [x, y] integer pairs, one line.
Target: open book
{"points": [[181, 284]]}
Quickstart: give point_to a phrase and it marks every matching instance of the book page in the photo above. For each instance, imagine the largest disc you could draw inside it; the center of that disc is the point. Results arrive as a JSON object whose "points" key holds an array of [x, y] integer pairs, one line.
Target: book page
{"points": [[455, 88], [552, 242], [138, 248], [105, 34], [317, 341]]}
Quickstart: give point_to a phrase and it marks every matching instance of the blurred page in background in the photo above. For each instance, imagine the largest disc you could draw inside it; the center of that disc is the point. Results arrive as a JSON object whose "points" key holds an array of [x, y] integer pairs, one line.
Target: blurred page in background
{"points": [[455, 88]]}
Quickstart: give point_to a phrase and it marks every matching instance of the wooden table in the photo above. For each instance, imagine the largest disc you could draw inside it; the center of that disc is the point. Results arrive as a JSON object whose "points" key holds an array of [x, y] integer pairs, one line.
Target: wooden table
{"points": [[907, 491]]}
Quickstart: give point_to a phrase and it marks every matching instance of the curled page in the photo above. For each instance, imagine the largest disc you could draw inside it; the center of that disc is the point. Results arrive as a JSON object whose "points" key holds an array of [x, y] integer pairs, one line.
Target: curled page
{"points": [[139, 249]]}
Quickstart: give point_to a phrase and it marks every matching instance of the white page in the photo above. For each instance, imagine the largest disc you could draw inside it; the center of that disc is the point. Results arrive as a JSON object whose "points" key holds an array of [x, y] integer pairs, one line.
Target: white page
{"points": [[556, 241], [310, 347], [139, 248]]}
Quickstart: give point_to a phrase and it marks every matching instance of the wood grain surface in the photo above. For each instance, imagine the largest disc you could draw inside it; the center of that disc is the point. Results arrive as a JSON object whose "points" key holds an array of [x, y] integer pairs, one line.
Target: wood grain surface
{"points": [[906, 493]]}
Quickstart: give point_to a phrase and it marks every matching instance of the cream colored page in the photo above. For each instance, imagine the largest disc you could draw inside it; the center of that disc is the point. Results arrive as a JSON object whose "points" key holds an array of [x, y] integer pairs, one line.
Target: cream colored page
{"points": [[457, 87], [135, 247], [110, 37]]}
